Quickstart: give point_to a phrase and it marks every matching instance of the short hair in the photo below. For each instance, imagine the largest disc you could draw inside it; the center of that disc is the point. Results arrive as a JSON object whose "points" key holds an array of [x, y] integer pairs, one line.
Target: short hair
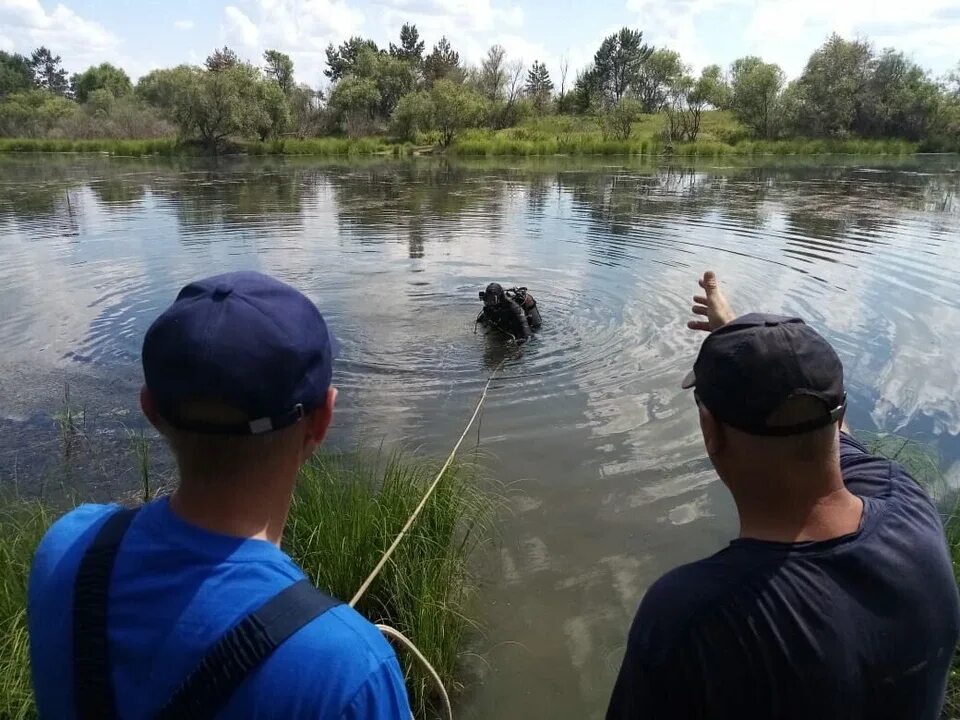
{"points": [[211, 455], [811, 445]]}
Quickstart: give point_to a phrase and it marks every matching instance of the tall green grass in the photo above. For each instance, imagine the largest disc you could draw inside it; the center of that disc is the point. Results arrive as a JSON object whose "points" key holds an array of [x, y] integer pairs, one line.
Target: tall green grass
{"points": [[22, 524], [720, 135], [924, 465], [349, 508], [346, 512], [324, 146]]}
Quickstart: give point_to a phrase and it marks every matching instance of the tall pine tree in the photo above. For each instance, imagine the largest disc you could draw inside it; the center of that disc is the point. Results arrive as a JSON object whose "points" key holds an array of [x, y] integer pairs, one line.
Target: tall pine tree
{"points": [[47, 73], [411, 46], [443, 62], [539, 86]]}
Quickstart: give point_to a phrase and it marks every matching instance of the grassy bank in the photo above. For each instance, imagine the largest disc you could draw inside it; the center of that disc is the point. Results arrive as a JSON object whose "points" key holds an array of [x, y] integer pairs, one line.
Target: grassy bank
{"points": [[347, 510], [720, 136], [327, 146], [22, 524]]}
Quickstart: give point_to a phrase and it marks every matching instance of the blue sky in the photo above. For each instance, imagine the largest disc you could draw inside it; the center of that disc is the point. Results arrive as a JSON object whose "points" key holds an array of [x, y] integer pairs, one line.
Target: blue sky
{"points": [[155, 33]]}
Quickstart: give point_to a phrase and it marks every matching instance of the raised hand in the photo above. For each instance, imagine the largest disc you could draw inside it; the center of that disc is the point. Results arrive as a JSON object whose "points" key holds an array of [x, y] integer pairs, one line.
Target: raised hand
{"points": [[713, 305]]}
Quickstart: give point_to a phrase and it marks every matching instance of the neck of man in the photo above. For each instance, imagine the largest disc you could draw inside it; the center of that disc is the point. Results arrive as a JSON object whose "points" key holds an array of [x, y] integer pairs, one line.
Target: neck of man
{"points": [[803, 503], [245, 506]]}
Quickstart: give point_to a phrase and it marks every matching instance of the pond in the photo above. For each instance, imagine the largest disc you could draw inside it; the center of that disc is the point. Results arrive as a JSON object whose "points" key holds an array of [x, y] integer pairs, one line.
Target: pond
{"points": [[608, 485]]}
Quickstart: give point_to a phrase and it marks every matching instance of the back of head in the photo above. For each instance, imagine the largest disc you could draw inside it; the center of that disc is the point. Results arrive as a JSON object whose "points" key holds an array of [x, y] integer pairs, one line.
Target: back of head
{"points": [[773, 388], [231, 367]]}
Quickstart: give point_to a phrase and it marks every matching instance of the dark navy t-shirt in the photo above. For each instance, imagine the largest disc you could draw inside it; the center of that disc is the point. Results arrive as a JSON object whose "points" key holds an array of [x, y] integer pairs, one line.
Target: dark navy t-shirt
{"points": [[861, 626]]}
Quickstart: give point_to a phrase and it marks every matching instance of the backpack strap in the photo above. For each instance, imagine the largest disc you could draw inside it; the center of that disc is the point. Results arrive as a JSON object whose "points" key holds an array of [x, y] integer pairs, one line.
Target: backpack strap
{"points": [[92, 682], [208, 688]]}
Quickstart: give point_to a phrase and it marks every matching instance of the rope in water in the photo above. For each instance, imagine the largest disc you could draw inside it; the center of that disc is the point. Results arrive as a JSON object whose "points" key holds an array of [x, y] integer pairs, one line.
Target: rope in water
{"points": [[386, 629]]}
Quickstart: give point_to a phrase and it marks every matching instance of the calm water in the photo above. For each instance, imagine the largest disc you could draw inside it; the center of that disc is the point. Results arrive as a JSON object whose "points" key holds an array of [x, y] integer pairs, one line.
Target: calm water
{"points": [[589, 428]]}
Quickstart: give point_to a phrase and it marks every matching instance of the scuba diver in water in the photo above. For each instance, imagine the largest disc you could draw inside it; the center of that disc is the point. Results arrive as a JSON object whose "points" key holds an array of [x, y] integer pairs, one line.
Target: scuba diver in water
{"points": [[512, 311]]}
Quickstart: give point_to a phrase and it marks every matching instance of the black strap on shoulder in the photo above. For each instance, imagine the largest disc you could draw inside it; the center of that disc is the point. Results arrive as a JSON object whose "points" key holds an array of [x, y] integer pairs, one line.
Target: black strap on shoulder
{"points": [[237, 654], [92, 683]]}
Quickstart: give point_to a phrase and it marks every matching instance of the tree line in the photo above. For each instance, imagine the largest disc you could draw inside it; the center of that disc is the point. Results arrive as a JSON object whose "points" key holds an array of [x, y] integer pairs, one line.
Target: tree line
{"points": [[847, 89]]}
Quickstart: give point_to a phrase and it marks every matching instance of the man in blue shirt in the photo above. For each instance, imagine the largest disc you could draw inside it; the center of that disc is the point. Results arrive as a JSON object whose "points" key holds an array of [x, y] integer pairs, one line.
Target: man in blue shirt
{"points": [[838, 599], [238, 380]]}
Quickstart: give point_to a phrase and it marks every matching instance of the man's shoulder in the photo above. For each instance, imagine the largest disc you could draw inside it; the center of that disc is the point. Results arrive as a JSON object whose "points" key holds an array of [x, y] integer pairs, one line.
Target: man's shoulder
{"points": [[338, 665], [69, 535], [679, 599], [342, 631]]}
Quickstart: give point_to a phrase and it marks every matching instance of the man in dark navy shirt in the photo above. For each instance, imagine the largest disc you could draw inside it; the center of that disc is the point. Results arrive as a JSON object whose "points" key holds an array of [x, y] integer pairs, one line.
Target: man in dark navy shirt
{"points": [[838, 599]]}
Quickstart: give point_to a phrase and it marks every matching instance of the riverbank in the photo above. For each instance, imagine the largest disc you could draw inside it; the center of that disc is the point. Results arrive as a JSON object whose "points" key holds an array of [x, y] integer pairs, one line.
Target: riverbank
{"points": [[561, 135], [473, 146], [347, 510]]}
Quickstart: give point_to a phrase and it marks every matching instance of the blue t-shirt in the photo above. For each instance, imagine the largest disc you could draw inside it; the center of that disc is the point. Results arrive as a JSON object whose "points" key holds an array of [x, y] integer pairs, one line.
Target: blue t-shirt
{"points": [[863, 626], [176, 589]]}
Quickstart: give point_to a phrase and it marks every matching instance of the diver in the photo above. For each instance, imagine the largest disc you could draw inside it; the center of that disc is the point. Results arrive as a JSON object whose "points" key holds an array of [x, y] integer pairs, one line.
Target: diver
{"points": [[512, 311]]}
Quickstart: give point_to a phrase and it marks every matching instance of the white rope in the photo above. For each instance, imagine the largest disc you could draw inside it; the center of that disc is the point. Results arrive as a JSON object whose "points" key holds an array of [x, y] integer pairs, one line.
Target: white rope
{"points": [[415, 651], [426, 497], [393, 632]]}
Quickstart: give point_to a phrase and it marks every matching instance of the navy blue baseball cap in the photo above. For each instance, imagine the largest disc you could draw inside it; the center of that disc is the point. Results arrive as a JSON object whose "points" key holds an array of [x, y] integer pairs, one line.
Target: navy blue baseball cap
{"points": [[750, 367], [243, 341]]}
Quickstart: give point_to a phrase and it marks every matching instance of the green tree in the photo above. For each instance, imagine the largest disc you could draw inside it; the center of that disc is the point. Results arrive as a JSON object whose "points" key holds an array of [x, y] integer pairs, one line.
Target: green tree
{"points": [[900, 101], [755, 93], [587, 90], [492, 78], [715, 89], [952, 83], [355, 101], [413, 115], [233, 102], [394, 78], [15, 73], [443, 62], [617, 120], [271, 116], [656, 78], [222, 59], [100, 77], [832, 90], [305, 114], [455, 108], [33, 113], [341, 61], [539, 86], [279, 68], [47, 73], [160, 87], [411, 46], [618, 63], [686, 101]]}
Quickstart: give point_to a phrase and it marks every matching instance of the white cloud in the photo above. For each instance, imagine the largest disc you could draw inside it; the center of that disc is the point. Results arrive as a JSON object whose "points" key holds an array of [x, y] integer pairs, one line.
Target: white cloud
{"points": [[301, 28], [787, 31], [239, 25], [78, 40], [183, 24]]}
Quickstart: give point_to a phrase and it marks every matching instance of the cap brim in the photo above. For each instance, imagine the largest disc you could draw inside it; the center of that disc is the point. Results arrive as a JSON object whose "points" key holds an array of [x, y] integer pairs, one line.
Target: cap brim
{"points": [[689, 381]]}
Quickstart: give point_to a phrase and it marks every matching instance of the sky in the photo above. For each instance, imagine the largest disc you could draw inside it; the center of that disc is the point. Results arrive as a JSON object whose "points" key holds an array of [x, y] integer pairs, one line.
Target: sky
{"points": [[147, 34]]}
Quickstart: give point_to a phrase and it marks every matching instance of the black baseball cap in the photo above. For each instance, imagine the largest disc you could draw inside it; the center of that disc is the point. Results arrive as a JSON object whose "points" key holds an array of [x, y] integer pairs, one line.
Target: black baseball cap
{"points": [[242, 340], [750, 367]]}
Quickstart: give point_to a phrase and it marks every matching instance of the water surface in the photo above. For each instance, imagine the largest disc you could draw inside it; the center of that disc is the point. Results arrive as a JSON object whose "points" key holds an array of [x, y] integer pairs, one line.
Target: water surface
{"points": [[609, 486]]}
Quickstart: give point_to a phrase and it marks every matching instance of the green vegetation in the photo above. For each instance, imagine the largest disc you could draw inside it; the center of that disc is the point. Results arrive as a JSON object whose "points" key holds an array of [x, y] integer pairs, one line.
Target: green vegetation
{"points": [[923, 463], [347, 510], [22, 524], [636, 97]]}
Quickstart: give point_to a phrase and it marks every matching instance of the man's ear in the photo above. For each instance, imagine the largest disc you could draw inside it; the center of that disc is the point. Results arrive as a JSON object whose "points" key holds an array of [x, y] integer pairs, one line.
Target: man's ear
{"points": [[713, 437], [149, 406], [318, 422]]}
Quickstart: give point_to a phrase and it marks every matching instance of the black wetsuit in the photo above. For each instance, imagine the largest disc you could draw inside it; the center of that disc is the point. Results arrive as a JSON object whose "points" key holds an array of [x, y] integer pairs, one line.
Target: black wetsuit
{"points": [[509, 317]]}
